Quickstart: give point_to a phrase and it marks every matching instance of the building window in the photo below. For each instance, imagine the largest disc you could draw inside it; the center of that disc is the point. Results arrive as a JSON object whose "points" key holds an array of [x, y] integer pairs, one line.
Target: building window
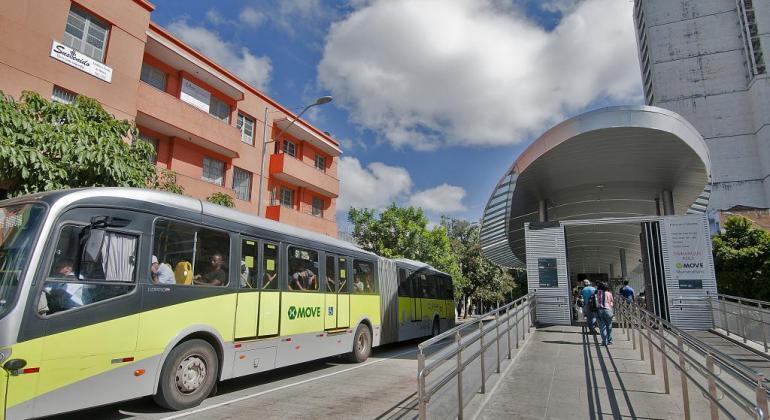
{"points": [[320, 163], [86, 34], [153, 76], [213, 170], [242, 184], [287, 197], [290, 148], [318, 207], [751, 38], [219, 109], [246, 125], [62, 95], [152, 142]]}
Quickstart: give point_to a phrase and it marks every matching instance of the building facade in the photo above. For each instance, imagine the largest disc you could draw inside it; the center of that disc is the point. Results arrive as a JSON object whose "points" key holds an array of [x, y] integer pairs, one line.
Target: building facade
{"points": [[706, 60], [206, 124]]}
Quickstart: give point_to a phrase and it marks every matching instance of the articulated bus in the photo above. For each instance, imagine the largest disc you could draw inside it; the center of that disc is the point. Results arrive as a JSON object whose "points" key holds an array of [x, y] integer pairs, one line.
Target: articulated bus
{"points": [[109, 294]]}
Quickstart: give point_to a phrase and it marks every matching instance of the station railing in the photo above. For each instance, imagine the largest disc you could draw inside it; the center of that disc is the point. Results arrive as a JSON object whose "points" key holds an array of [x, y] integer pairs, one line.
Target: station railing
{"points": [[748, 319], [456, 365], [732, 389]]}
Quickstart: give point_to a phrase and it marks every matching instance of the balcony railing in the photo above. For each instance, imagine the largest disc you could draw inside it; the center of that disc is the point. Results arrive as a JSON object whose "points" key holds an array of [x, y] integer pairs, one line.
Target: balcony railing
{"points": [[296, 172]]}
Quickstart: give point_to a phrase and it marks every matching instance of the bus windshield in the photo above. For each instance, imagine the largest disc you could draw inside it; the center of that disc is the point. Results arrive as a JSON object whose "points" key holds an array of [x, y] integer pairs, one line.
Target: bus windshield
{"points": [[18, 229]]}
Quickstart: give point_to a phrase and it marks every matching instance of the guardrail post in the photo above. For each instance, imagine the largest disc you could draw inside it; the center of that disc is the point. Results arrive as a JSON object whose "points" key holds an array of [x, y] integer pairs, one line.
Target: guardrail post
{"points": [[741, 323], [761, 393], [497, 340], [641, 325], [723, 312], [632, 320], [481, 355], [649, 342], [458, 340], [712, 386], [421, 386], [518, 321], [683, 375], [664, 362], [508, 314]]}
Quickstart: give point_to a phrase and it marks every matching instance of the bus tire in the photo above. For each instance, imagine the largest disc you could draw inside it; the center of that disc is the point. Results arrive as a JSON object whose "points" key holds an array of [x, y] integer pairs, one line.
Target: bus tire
{"points": [[436, 328], [362, 344], [189, 375]]}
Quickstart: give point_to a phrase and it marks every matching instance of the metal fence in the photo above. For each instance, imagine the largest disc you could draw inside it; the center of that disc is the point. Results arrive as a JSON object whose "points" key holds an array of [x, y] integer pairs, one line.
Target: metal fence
{"points": [[730, 388], [748, 319], [455, 366]]}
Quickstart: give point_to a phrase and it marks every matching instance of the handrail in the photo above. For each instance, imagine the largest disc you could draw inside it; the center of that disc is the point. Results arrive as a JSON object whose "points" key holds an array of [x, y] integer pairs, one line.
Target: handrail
{"points": [[690, 356], [743, 320], [517, 315]]}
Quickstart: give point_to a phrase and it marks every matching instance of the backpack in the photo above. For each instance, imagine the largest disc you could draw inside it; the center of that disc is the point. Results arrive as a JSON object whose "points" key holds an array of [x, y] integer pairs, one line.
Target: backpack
{"points": [[592, 306]]}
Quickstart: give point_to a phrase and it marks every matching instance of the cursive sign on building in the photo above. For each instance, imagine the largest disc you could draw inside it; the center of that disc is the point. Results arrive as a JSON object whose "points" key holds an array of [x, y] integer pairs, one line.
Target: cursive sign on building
{"points": [[81, 61]]}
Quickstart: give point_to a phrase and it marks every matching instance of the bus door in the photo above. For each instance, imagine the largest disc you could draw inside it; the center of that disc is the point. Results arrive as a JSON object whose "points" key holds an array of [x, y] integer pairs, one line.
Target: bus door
{"points": [[343, 293], [331, 309], [269, 295], [417, 297], [246, 313]]}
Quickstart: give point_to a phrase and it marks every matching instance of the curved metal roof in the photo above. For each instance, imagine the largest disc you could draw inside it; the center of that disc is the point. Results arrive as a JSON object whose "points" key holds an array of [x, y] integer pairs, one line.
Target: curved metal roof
{"points": [[609, 163]]}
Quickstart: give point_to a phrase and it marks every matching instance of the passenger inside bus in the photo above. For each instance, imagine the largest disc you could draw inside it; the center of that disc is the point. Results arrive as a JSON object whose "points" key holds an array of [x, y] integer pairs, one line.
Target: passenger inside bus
{"points": [[303, 279], [161, 273], [358, 285], [216, 275]]}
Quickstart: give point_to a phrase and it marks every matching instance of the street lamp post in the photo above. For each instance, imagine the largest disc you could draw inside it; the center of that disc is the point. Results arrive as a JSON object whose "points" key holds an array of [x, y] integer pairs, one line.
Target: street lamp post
{"points": [[320, 101]]}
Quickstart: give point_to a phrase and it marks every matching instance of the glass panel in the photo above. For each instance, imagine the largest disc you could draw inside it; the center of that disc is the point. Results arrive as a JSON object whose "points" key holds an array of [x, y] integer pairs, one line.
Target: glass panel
{"points": [[403, 282], [342, 270], [318, 207], [331, 273], [242, 184], [213, 170], [246, 125], [153, 76], [287, 197], [212, 258], [364, 280], [188, 249], [249, 258], [219, 109], [116, 262], [289, 148], [270, 266], [303, 266], [62, 95], [320, 162], [18, 231]]}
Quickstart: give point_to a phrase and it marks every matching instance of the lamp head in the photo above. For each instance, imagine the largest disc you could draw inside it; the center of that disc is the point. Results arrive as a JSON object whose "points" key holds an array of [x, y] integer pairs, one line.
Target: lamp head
{"points": [[323, 100]]}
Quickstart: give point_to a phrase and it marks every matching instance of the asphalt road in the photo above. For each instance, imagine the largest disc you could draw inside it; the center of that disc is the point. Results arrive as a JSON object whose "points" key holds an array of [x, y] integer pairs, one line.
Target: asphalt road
{"points": [[384, 387]]}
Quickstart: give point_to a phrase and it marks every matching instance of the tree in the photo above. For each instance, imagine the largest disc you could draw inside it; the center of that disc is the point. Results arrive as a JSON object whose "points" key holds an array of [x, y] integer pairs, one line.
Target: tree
{"points": [[46, 145], [742, 260], [221, 198], [479, 278], [402, 232], [166, 181]]}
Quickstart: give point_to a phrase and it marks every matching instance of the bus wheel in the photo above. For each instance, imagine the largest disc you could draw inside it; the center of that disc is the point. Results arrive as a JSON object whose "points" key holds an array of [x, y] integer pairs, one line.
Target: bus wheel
{"points": [[188, 375], [436, 328], [362, 344]]}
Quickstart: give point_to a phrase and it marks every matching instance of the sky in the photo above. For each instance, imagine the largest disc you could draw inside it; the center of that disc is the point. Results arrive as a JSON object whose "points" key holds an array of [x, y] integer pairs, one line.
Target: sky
{"points": [[433, 99]]}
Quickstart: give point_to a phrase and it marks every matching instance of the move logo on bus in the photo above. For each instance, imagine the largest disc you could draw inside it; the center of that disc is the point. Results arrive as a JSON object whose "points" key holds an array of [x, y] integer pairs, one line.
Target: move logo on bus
{"points": [[304, 312]]}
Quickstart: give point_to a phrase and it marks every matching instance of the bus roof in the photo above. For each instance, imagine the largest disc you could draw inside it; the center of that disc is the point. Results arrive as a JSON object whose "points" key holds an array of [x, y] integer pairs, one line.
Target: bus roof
{"points": [[182, 202]]}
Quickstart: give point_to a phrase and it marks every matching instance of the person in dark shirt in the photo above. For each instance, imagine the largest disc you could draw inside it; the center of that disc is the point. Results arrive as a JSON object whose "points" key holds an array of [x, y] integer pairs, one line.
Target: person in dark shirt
{"points": [[216, 276], [627, 292]]}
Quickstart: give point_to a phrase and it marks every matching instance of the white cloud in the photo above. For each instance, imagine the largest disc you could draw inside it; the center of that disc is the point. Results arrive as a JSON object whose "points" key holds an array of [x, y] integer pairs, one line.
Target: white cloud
{"points": [[429, 73], [441, 200], [251, 16], [374, 187], [377, 185], [213, 16], [562, 6], [252, 69]]}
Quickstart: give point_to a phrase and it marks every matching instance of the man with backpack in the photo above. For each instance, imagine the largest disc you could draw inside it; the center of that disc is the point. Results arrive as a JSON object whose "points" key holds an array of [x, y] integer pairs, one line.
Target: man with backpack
{"points": [[589, 312]]}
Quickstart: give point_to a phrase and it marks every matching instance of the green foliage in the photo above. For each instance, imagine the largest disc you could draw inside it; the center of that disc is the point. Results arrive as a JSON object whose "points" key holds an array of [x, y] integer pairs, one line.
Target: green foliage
{"points": [[742, 260], [221, 198], [480, 278], [402, 232], [47, 145], [166, 181]]}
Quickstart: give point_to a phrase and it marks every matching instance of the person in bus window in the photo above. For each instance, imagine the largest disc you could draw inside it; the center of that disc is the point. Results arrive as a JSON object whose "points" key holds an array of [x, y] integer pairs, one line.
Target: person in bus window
{"points": [[358, 285], [303, 279], [161, 273], [216, 275], [267, 281]]}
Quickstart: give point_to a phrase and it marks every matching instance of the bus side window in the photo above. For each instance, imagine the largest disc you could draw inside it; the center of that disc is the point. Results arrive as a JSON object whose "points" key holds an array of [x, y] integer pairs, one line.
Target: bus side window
{"points": [[403, 283], [303, 270], [364, 277], [270, 266], [112, 274], [342, 275], [248, 269], [195, 255]]}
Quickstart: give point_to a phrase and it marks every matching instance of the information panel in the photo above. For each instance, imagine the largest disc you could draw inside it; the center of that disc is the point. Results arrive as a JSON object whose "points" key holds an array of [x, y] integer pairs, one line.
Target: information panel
{"points": [[547, 274]]}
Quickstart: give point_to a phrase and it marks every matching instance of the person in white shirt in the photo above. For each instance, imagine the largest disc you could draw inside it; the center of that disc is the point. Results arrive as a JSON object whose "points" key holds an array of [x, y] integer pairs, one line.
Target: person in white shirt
{"points": [[161, 273]]}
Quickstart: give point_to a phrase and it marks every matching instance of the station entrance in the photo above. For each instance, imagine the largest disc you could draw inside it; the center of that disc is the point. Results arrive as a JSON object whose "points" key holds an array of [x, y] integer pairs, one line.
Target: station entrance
{"points": [[667, 259]]}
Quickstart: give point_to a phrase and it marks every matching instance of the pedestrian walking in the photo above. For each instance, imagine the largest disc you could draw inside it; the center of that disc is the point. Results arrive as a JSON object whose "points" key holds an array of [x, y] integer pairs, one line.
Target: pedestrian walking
{"points": [[604, 307], [588, 313], [627, 292]]}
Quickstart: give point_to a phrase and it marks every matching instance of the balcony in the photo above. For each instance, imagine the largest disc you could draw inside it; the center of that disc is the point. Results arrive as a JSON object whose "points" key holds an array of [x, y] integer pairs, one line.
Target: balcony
{"points": [[286, 168], [302, 219], [168, 115]]}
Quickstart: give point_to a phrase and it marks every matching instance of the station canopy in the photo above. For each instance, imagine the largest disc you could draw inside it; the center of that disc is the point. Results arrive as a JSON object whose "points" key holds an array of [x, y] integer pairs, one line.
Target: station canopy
{"points": [[611, 163]]}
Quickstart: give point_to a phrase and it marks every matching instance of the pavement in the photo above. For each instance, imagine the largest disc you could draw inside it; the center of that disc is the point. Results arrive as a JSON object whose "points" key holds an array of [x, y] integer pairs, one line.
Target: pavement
{"points": [[564, 373]]}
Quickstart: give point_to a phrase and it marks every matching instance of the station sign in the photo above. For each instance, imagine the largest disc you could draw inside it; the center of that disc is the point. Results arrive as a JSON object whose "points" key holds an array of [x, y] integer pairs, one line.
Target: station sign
{"points": [[81, 61]]}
